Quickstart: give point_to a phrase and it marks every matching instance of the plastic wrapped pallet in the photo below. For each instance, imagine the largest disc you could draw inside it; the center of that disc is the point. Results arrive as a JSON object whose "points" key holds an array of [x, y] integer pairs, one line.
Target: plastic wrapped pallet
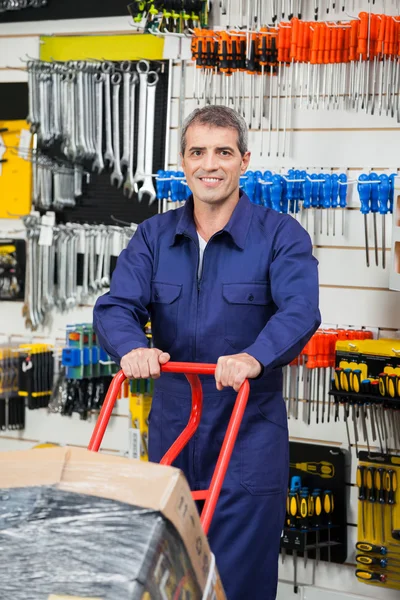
{"points": [[76, 524]]}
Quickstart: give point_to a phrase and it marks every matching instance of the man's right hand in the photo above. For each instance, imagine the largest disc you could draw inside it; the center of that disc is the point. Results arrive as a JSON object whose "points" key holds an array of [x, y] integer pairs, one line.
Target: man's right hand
{"points": [[143, 363]]}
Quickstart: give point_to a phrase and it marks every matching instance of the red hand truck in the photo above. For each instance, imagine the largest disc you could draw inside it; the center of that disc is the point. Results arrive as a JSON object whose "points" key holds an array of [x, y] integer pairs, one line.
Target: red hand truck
{"points": [[191, 370]]}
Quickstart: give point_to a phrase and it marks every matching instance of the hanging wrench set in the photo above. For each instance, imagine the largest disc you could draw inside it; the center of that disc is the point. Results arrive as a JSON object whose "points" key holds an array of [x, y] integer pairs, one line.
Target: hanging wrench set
{"points": [[67, 265], [94, 118]]}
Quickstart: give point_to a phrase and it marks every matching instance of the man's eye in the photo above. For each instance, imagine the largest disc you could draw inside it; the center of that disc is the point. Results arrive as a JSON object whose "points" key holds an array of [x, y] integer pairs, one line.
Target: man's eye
{"points": [[196, 153], [225, 153]]}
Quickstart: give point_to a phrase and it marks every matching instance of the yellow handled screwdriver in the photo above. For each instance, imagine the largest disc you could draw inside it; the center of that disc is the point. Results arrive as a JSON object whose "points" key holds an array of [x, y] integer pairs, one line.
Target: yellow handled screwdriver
{"points": [[324, 469], [374, 576], [391, 488], [361, 494], [364, 559], [371, 496], [380, 487], [374, 549]]}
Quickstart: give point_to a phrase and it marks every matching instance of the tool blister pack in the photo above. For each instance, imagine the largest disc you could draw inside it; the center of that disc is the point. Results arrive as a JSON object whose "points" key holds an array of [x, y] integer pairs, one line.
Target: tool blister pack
{"points": [[12, 406], [87, 376], [35, 374], [140, 399], [12, 269], [367, 382], [316, 519], [378, 546]]}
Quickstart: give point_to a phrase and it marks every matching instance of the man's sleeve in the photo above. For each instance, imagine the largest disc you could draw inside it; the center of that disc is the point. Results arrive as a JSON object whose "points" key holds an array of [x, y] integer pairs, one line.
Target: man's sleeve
{"points": [[294, 289], [121, 314]]}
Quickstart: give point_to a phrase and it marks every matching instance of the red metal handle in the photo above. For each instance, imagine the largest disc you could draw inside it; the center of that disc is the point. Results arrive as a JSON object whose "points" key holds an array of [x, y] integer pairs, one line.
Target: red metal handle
{"points": [[191, 370]]}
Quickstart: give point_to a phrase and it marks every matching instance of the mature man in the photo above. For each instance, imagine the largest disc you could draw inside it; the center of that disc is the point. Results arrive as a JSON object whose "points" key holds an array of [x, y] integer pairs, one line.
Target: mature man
{"points": [[226, 282]]}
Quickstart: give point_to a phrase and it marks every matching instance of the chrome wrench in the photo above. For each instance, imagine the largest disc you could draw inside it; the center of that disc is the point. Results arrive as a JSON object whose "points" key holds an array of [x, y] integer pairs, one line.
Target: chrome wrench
{"points": [[116, 176], [98, 164], [130, 185], [126, 69], [148, 187], [108, 69], [143, 67]]}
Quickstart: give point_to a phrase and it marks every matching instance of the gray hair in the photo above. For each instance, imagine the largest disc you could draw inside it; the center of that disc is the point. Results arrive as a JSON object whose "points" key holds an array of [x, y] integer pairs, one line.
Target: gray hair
{"points": [[217, 116]]}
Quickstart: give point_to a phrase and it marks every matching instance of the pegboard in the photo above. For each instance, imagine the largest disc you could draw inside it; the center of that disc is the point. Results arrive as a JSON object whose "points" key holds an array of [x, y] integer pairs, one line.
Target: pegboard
{"points": [[13, 101], [100, 200]]}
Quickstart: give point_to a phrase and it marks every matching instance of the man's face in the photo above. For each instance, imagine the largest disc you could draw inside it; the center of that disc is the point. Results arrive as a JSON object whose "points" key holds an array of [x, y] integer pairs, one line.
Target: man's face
{"points": [[212, 163]]}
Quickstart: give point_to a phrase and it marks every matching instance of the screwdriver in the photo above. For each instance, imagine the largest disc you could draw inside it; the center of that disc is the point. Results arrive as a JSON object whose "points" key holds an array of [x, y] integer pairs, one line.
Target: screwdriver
{"points": [[371, 495], [373, 177], [379, 484], [364, 559], [384, 208], [328, 504], [374, 576], [364, 191], [374, 549], [361, 495], [343, 195], [317, 520], [324, 469], [391, 488]]}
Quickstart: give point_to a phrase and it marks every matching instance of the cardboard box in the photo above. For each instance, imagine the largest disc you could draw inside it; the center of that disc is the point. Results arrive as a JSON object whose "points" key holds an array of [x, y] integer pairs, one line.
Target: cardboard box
{"points": [[71, 492]]}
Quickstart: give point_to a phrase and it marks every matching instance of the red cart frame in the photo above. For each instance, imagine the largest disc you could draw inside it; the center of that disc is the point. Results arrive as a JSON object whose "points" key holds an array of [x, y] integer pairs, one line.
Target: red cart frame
{"points": [[191, 371]]}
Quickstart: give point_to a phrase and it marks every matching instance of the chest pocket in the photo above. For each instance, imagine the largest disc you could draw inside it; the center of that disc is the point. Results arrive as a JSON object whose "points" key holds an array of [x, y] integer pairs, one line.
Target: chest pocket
{"points": [[247, 308], [164, 313]]}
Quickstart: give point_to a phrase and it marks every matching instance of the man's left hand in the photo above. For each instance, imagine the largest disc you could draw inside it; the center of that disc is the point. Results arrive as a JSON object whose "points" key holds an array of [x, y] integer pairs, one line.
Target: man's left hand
{"points": [[232, 370]]}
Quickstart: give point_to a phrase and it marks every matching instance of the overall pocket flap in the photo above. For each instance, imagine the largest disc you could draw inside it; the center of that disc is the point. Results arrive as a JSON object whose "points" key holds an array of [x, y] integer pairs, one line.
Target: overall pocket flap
{"points": [[165, 293], [246, 293]]}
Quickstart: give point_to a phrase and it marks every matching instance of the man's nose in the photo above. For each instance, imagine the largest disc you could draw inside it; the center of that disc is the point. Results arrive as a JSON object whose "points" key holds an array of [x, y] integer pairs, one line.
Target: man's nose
{"points": [[210, 162]]}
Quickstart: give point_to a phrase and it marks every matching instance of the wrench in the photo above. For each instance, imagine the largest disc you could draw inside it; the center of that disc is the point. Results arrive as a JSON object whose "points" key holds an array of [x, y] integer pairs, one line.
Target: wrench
{"points": [[130, 185], [148, 187], [126, 68], [98, 164], [143, 68], [108, 69], [116, 176]]}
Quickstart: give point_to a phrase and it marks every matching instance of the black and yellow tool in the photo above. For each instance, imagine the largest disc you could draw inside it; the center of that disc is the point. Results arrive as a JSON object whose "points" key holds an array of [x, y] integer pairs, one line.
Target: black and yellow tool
{"points": [[317, 495], [375, 549], [355, 379], [323, 469], [365, 559], [374, 576], [328, 505], [371, 496], [380, 488], [390, 482], [361, 495]]}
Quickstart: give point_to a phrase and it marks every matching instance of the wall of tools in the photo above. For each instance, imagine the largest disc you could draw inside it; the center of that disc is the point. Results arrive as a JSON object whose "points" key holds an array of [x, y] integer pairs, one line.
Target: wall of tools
{"points": [[330, 132]]}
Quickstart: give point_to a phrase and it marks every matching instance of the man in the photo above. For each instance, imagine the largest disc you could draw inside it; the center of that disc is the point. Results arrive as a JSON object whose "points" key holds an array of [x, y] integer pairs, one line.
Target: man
{"points": [[225, 282]]}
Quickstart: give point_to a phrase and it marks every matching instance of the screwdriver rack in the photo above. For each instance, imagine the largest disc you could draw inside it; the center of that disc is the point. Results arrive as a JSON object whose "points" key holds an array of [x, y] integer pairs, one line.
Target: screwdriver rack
{"points": [[366, 381], [378, 557], [316, 521]]}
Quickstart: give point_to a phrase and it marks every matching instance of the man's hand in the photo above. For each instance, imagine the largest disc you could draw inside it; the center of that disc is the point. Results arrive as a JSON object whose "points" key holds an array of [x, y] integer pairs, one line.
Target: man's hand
{"points": [[232, 370], [143, 363]]}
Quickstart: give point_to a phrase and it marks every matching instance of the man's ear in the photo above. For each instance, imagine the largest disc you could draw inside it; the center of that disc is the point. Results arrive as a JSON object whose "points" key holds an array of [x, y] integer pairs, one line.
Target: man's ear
{"points": [[245, 162]]}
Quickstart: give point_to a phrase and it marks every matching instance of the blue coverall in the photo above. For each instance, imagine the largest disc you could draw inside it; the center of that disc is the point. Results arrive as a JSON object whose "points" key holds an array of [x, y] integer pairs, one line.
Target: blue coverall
{"points": [[258, 293]]}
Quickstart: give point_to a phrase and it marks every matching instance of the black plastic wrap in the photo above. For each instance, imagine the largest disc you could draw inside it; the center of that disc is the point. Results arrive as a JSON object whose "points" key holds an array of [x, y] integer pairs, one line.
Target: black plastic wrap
{"points": [[55, 542]]}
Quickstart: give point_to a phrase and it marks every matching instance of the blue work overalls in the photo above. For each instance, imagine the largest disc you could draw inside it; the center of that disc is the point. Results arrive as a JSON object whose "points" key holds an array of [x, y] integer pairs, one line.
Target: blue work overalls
{"points": [[258, 293]]}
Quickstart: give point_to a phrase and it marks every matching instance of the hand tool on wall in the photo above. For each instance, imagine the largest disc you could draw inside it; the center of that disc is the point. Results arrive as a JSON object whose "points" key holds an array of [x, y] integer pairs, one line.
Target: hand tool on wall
{"points": [[371, 496], [143, 68], [130, 186], [322, 469], [116, 176], [148, 187], [361, 495]]}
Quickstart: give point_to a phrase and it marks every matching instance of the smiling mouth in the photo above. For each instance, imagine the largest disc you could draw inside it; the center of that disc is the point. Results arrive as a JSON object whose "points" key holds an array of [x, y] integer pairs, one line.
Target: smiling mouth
{"points": [[210, 179]]}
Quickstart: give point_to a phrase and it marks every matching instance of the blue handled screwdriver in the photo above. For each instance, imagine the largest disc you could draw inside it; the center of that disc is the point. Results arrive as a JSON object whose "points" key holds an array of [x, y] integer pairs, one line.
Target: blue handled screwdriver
{"points": [[290, 195], [343, 195], [334, 197], [384, 190], [326, 199], [315, 197], [266, 189], [373, 177], [306, 192], [258, 192], [364, 191], [276, 192]]}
